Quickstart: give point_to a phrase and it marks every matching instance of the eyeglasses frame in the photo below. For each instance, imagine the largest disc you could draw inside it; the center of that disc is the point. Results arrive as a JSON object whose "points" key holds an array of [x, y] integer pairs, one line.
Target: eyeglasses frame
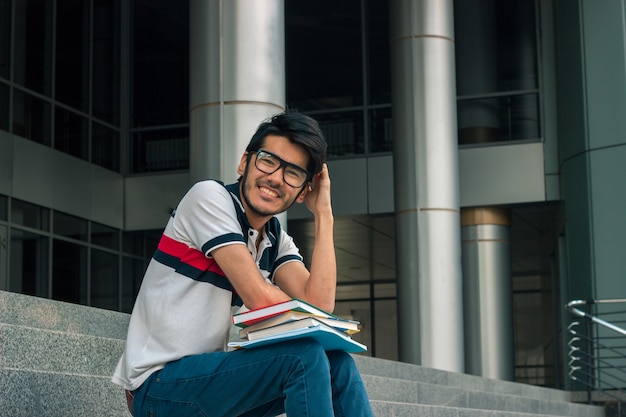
{"points": [[282, 164]]}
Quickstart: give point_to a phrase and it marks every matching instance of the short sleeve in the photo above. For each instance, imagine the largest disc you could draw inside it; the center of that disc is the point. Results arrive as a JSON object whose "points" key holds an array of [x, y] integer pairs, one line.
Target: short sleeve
{"points": [[206, 218]]}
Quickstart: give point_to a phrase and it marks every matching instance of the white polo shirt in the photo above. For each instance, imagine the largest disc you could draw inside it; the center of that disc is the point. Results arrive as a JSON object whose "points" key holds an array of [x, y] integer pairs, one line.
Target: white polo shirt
{"points": [[185, 302]]}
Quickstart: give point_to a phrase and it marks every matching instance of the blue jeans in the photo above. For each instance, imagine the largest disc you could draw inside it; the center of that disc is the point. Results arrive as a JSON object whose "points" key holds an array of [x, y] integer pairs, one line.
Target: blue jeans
{"points": [[298, 378]]}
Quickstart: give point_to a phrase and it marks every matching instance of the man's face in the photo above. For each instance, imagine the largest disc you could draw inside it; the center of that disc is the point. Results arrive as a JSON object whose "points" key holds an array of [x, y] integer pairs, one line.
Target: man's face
{"points": [[268, 194]]}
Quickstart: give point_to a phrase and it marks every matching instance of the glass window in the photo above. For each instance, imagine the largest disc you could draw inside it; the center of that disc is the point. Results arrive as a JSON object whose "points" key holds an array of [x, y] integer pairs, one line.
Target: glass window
{"points": [[30, 215], [72, 53], [33, 45], [132, 243], [386, 329], [29, 263], [379, 61], [324, 54], [31, 117], [106, 236], [343, 131], [104, 282], [70, 226], [161, 150], [5, 41], [70, 133], [152, 240], [511, 117], [4, 106], [517, 45], [380, 130], [132, 275], [69, 272], [105, 147], [160, 62], [3, 208], [360, 311], [106, 60], [498, 96]]}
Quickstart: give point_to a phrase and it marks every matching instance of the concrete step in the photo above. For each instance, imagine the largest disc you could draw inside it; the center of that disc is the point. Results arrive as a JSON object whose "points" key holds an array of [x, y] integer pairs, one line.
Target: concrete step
{"points": [[52, 351], [28, 393], [411, 392], [396, 409], [412, 372], [56, 359]]}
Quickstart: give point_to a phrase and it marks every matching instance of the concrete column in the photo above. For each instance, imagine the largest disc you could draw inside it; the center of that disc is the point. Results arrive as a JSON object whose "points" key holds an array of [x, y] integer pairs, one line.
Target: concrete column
{"points": [[488, 298], [237, 79], [430, 304], [592, 130]]}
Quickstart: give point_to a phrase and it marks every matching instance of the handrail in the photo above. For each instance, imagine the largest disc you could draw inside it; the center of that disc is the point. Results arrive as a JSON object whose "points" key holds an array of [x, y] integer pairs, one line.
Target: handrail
{"points": [[570, 307], [588, 363]]}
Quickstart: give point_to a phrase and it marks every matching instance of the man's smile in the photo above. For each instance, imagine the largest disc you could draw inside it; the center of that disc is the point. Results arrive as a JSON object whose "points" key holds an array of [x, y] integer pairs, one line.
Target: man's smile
{"points": [[269, 191]]}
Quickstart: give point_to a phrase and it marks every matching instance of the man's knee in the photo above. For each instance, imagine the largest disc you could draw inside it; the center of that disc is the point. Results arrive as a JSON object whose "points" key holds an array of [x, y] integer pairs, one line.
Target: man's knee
{"points": [[341, 359]]}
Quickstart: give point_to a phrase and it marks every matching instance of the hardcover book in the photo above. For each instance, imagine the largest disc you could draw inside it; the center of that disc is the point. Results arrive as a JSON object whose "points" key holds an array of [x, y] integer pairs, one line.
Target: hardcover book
{"points": [[329, 338]]}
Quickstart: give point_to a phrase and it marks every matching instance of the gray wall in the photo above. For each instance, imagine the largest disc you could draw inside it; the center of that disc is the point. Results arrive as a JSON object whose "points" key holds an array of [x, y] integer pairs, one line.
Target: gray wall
{"points": [[495, 175]]}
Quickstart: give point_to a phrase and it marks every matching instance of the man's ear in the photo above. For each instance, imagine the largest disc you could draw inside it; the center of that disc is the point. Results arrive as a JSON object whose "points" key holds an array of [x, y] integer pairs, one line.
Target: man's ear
{"points": [[303, 193], [241, 168]]}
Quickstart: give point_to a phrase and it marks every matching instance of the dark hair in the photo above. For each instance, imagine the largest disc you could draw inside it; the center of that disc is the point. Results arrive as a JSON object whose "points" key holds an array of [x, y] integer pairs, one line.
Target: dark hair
{"points": [[299, 129]]}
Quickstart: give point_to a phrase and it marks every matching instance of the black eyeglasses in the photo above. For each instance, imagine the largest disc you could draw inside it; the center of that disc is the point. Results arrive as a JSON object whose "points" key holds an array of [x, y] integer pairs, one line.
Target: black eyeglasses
{"points": [[269, 163]]}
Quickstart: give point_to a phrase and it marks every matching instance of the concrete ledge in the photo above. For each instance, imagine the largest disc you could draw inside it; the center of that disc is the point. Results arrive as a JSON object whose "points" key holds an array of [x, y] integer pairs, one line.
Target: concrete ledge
{"points": [[41, 313], [54, 351]]}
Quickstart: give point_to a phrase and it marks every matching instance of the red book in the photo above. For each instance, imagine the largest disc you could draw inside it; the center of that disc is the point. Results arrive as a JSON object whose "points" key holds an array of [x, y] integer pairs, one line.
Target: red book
{"points": [[250, 317]]}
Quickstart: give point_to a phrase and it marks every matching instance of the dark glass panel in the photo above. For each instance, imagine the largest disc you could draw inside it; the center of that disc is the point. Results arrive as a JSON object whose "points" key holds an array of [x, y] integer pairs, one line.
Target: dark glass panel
{"points": [[69, 272], [30, 215], [160, 62], [70, 133], [379, 60], [32, 57], [3, 208], [31, 117], [151, 242], [517, 45], [507, 57], [106, 61], [380, 130], [104, 282], [70, 226], [105, 147], [386, 329], [359, 311], [4, 107], [132, 275], [506, 118], [5, 41], [106, 236], [29, 263], [160, 150], [72, 53], [323, 53], [343, 131], [132, 243]]}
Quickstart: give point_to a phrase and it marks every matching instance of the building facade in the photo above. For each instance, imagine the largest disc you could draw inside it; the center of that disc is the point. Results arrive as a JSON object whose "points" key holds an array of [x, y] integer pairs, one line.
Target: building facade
{"points": [[476, 151]]}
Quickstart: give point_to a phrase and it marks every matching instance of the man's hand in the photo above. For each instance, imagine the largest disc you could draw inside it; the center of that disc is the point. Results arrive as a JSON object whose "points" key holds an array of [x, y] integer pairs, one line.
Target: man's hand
{"points": [[317, 286], [317, 200]]}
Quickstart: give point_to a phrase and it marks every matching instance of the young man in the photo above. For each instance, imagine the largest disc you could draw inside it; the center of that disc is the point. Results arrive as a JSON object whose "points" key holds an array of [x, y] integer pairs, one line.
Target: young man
{"points": [[222, 248]]}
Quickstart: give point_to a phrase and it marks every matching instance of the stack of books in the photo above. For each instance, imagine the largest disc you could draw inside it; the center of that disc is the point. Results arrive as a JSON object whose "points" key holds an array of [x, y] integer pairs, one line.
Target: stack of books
{"points": [[295, 319]]}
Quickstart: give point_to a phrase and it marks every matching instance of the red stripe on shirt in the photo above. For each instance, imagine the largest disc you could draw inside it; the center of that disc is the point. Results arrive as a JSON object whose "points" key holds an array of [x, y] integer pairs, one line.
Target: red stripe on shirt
{"points": [[188, 255]]}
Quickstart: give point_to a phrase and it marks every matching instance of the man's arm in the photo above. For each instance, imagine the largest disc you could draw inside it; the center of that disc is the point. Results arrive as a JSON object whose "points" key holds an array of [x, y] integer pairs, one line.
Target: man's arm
{"points": [[237, 264], [317, 286], [293, 279]]}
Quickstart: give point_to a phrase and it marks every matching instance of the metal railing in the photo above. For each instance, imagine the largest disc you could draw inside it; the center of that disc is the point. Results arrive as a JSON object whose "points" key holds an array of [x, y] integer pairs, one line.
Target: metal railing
{"points": [[597, 348]]}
